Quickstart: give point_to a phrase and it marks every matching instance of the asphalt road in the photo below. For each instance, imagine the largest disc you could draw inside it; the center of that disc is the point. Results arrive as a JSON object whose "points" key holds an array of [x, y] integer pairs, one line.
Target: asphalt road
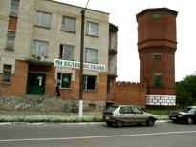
{"points": [[163, 134]]}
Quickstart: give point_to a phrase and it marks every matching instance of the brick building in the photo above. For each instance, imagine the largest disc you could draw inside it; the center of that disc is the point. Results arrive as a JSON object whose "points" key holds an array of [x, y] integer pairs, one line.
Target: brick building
{"points": [[156, 46], [40, 47]]}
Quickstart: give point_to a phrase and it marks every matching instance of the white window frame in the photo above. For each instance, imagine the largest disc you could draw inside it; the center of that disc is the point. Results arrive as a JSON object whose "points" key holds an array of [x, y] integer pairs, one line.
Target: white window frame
{"points": [[40, 48], [91, 53], [43, 19], [68, 24], [64, 49], [11, 39], [92, 28], [14, 7]]}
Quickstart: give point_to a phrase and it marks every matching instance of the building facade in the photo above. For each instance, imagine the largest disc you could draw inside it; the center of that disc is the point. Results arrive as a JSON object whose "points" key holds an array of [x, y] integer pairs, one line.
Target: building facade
{"points": [[40, 42], [157, 45], [40, 49]]}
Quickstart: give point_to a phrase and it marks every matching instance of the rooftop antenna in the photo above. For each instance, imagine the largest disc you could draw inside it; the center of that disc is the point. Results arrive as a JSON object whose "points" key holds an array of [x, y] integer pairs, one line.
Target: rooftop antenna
{"points": [[87, 4]]}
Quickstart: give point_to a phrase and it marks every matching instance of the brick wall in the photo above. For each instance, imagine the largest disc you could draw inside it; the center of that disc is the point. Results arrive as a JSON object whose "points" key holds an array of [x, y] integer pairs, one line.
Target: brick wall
{"points": [[128, 93], [100, 94], [17, 86]]}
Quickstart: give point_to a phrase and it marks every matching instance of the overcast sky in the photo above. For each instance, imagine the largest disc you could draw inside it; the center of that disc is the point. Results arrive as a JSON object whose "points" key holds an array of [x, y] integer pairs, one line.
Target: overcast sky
{"points": [[123, 14]]}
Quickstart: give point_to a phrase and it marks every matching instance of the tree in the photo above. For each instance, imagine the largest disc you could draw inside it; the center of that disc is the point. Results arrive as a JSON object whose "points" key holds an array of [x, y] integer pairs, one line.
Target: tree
{"points": [[186, 91]]}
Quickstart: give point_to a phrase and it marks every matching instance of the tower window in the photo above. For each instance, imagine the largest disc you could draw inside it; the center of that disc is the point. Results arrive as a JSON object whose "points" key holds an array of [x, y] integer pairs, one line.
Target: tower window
{"points": [[156, 56], [156, 16], [158, 79]]}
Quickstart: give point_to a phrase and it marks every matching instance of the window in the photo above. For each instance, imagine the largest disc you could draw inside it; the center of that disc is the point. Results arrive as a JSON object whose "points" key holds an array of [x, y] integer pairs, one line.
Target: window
{"points": [[136, 110], [66, 52], [14, 7], [12, 23], [92, 28], [10, 40], [43, 19], [68, 24], [89, 82], [158, 81], [157, 57], [40, 48], [156, 16], [7, 73], [64, 80], [125, 110], [91, 55]]}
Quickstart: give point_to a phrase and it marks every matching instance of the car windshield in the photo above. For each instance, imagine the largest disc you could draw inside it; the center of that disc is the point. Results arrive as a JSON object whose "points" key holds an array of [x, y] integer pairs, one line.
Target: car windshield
{"points": [[111, 108], [188, 110]]}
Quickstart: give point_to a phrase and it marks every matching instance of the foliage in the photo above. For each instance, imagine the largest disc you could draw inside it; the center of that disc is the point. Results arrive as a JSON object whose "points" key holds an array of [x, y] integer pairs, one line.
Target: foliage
{"points": [[186, 91]]}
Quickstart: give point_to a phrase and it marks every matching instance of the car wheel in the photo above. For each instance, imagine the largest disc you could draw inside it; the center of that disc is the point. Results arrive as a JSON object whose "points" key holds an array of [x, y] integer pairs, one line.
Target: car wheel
{"points": [[189, 120], [150, 122], [119, 124], [109, 124], [174, 121]]}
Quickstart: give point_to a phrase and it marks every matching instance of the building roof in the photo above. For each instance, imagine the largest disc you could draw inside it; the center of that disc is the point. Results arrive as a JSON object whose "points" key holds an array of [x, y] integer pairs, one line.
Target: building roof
{"points": [[173, 12], [113, 27], [61, 3]]}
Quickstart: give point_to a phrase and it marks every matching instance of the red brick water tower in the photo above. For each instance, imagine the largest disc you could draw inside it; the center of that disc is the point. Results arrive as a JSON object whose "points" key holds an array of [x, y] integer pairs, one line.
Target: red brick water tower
{"points": [[157, 46]]}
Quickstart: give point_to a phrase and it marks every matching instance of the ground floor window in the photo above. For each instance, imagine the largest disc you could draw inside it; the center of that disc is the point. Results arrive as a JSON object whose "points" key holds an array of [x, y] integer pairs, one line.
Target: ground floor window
{"points": [[89, 82], [7, 73], [64, 80]]}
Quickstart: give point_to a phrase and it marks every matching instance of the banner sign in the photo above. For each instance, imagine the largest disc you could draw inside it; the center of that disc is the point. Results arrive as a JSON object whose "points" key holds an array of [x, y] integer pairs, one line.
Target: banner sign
{"points": [[161, 100], [75, 64]]}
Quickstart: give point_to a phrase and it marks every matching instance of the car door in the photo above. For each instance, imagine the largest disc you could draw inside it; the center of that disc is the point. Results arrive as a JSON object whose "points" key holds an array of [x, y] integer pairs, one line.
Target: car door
{"points": [[125, 114], [138, 115], [194, 116]]}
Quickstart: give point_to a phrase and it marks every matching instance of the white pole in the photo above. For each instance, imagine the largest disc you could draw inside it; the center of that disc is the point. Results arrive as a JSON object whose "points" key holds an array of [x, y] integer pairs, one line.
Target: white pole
{"points": [[80, 108]]}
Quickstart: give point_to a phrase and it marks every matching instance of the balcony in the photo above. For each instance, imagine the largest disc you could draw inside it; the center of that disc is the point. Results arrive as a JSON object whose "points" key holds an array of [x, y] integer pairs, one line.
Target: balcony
{"points": [[37, 59]]}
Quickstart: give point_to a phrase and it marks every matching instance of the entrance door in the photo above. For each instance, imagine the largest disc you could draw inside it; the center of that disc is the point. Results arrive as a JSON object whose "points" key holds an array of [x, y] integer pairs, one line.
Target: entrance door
{"points": [[36, 83]]}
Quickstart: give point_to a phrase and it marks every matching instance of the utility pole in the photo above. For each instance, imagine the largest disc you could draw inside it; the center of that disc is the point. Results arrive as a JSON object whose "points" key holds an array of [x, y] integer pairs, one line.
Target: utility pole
{"points": [[81, 84], [81, 64]]}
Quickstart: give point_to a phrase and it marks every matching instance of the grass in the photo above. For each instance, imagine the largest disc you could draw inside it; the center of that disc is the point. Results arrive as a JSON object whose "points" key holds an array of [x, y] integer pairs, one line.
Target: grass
{"points": [[49, 118], [161, 110]]}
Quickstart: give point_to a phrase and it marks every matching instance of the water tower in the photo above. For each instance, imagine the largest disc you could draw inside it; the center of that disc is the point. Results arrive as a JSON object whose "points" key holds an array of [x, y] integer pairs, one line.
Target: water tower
{"points": [[157, 45]]}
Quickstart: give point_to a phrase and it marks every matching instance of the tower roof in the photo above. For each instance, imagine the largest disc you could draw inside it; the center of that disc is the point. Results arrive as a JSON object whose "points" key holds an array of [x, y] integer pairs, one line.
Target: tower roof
{"points": [[173, 12]]}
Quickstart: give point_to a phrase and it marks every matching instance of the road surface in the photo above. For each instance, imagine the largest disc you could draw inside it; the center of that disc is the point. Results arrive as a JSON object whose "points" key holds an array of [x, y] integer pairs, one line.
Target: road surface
{"points": [[163, 134]]}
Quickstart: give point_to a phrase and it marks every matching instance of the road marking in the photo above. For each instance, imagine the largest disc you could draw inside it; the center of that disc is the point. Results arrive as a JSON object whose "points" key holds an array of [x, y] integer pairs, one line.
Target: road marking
{"points": [[92, 137]]}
